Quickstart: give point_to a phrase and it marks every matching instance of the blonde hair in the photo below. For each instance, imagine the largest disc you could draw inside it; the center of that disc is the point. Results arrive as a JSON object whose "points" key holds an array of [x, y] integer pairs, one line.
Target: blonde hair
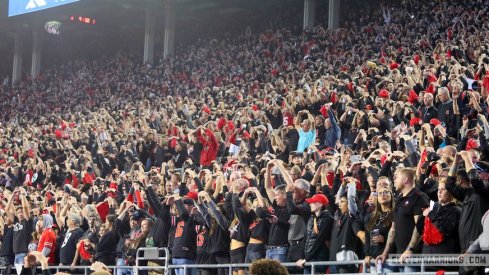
{"points": [[409, 173]]}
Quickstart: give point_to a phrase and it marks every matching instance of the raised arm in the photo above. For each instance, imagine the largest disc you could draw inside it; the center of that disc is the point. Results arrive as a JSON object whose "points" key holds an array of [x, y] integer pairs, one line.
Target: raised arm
{"points": [[25, 204], [183, 213], [285, 173], [212, 208], [351, 196], [9, 209], [268, 182], [259, 197], [153, 202]]}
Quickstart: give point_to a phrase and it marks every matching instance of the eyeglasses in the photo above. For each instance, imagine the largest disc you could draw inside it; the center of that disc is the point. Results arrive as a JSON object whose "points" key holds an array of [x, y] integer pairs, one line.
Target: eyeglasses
{"points": [[384, 193]]}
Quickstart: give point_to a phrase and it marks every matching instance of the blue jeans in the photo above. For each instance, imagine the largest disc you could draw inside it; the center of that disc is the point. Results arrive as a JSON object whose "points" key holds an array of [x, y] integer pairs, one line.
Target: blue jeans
{"points": [[255, 252], [122, 271], [183, 261], [278, 253], [19, 258]]}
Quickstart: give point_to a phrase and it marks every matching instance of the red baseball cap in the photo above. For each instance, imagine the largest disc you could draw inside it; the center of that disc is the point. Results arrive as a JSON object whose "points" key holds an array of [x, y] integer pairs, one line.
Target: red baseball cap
{"points": [[318, 198]]}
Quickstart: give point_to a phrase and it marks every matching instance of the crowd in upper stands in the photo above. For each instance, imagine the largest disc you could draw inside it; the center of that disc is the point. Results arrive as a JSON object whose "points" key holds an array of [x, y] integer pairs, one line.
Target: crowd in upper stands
{"points": [[349, 144]]}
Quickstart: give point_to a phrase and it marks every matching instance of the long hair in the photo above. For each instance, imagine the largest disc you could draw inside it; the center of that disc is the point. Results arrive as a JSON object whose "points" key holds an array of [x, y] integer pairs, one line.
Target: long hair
{"points": [[377, 215], [214, 224]]}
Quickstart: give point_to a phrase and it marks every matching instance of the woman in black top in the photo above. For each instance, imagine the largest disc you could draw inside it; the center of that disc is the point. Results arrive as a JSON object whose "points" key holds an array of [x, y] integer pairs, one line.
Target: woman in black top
{"points": [[217, 227], [259, 226], [377, 224], [105, 251], [238, 228], [439, 225]]}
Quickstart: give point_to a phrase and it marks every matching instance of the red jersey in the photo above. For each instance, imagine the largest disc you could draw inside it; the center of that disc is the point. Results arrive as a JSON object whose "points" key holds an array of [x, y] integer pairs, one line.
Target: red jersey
{"points": [[48, 240]]}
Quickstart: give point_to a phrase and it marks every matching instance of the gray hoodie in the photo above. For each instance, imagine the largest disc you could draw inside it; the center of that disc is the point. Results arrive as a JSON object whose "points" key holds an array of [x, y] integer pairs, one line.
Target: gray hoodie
{"points": [[482, 243], [47, 221]]}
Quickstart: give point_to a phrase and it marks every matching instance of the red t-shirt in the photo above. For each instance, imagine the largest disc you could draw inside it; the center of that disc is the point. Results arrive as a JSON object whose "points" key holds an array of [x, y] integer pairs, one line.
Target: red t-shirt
{"points": [[48, 240]]}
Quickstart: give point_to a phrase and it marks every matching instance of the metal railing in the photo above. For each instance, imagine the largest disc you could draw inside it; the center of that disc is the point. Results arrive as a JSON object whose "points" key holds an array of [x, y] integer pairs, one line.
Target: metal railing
{"points": [[153, 254], [167, 269], [230, 267], [162, 255]]}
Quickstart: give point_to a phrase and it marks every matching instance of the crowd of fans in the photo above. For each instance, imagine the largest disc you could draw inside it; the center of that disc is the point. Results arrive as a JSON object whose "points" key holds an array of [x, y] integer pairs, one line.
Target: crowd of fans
{"points": [[346, 144]]}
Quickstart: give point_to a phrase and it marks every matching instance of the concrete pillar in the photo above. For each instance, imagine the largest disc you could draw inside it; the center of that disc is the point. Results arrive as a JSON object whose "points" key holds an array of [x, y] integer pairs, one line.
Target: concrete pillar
{"points": [[169, 45], [334, 14], [149, 36], [18, 49], [309, 13], [36, 53]]}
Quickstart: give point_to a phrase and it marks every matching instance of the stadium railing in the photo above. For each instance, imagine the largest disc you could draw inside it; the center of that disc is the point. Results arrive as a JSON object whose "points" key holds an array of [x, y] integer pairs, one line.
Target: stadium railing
{"points": [[161, 256]]}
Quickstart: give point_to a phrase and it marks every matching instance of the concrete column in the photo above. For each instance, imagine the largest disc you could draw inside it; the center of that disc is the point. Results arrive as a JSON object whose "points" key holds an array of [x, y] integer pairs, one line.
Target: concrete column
{"points": [[309, 13], [169, 45], [18, 49], [149, 36], [334, 14], [36, 53]]}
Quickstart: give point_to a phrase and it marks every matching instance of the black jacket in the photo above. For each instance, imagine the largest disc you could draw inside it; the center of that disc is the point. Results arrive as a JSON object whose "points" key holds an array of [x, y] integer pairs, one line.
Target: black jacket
{"points": [[428, 113], [161, 229], [446, 115], [475, 202], [444, 218], [315, 246], [185, 239], [343, 236], [105, 250]]}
